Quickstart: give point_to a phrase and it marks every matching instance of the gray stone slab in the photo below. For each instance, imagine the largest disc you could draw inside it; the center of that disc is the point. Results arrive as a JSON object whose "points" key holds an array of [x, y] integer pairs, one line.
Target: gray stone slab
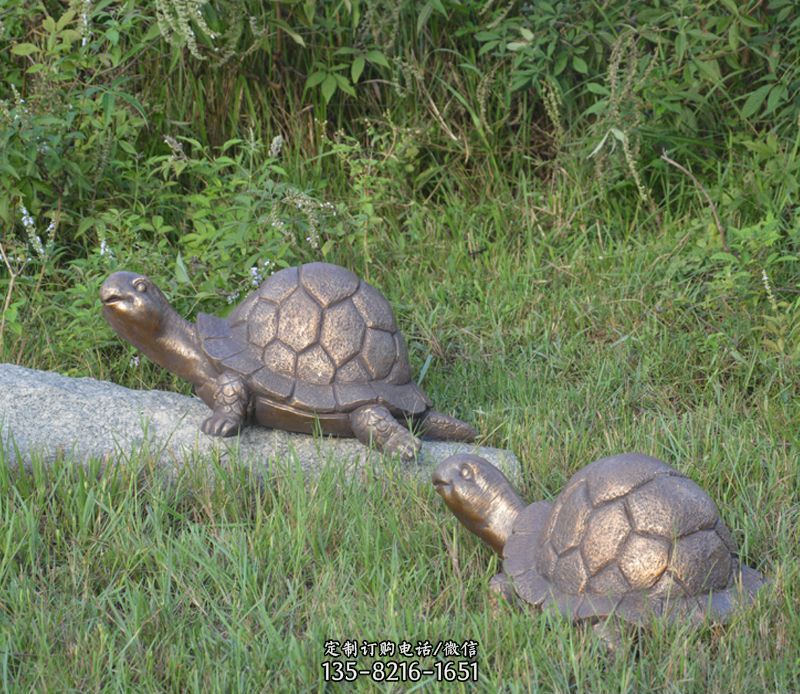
{"points": [[46, 415]]}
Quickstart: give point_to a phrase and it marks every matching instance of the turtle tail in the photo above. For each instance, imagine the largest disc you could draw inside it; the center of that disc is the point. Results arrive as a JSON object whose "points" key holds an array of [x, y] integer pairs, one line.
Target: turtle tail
{"points": [[437, 425]]}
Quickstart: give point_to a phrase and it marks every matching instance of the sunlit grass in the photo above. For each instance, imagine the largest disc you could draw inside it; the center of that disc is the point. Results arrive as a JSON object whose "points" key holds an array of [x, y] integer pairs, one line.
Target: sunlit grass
{"points": [[562, 349], [120, 581]]}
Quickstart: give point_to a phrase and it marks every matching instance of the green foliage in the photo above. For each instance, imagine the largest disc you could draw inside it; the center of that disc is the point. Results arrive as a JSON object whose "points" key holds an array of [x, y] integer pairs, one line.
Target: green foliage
{"points": [[223, 223], [70, 121], [139, 129], [542, 41], [329, 78]]}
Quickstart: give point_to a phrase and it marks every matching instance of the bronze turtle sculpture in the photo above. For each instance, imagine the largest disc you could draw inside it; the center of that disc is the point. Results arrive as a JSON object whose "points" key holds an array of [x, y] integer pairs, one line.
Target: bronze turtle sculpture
{"points": [[628, 535], [313, 346]]}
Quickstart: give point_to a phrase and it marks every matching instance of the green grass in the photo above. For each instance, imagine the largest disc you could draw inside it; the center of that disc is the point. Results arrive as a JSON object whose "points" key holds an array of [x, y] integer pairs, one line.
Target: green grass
{"points": [[564, 347], [119, 582]]}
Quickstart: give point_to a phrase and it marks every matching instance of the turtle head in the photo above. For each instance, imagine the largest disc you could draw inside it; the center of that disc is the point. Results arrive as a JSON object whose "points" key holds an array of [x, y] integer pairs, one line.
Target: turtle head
{"points": [[480, 496], [139, 313], [134, 307]]}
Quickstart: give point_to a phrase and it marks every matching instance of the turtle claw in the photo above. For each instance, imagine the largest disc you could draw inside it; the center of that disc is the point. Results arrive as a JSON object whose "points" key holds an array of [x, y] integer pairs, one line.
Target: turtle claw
{"points": [[610, 635], [375, 425], [230, 406], [502, 587], [220, 424], [405, 445]]}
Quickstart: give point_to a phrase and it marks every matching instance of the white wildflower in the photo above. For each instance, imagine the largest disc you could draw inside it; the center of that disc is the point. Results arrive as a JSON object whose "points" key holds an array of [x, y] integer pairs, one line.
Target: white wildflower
{"points": [[30, 231], [105, 250], [27, 220], [768, 289], [19, 105], [176, 147], [36, 242], [275, 146], [256, 278], [85, 32]]}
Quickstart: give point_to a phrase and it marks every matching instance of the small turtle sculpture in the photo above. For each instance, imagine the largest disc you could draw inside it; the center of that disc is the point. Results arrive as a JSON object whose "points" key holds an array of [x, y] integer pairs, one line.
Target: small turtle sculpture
{"points": [[628, 535], [313, 344]]}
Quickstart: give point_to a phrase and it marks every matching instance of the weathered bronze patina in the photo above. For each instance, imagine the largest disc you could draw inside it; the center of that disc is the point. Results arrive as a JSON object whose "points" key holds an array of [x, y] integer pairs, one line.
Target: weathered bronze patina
{"points": [[313, 346], [628, 535]]}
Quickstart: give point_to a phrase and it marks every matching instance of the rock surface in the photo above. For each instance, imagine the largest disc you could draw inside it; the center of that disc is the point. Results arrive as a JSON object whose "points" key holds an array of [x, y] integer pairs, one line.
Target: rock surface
{"points": [[46, 414]]}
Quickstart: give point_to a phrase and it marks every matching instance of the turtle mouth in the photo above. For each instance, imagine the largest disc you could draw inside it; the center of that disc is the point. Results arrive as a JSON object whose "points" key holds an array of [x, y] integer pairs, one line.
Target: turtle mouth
{"points": [[110, 297], [442, 485]]}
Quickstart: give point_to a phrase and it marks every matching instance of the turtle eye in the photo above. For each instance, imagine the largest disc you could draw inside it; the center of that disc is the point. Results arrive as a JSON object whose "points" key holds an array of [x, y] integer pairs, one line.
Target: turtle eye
{"points": [[140, 285], [466, 472]]}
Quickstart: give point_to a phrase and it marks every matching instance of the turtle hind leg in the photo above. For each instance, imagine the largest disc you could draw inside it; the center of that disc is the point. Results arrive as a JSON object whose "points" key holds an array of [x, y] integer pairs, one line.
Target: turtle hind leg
{"points": [[374, 424], [437, 425], [230, 397]]}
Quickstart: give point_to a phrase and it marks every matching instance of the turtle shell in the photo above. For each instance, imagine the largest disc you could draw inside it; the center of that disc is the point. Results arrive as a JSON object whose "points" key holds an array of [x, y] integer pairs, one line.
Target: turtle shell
{"points": [[631, 535], [316, 338]]}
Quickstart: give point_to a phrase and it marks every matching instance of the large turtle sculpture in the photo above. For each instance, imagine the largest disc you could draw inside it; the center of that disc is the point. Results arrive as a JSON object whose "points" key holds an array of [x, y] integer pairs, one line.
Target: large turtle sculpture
{"points": [[313, 346], [628, 535]]}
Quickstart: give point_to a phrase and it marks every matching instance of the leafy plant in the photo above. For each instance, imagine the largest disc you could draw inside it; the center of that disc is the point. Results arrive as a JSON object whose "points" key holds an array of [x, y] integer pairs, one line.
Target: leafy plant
{"points": [[69, 123]]}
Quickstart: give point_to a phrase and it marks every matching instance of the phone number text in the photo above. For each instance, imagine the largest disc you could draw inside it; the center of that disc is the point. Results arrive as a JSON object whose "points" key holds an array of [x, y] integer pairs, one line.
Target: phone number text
{"points": [[400, 671]]}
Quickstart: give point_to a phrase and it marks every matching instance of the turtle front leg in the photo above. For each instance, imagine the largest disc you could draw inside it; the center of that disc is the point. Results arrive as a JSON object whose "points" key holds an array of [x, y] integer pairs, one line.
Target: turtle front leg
{"points": [[500, 590], [230, 397], [501, 586], [611, 634], [374, 424]]}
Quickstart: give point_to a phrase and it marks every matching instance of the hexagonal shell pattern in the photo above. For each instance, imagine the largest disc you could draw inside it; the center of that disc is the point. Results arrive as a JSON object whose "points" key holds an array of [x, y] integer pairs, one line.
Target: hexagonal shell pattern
{"points": [[643, 560], [401, 371], [606, 531], [279, 285], [378, 353], [635, 573], [701, 562], [609, 581], [342, 332], [569, 573], [374, 308], [353, 371], [315, 366], [571, 513], [328, 284], [242, 311], [308, 328], [262, 323], [613, 477], [299, 320], [671, 506], [280, 359]]}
